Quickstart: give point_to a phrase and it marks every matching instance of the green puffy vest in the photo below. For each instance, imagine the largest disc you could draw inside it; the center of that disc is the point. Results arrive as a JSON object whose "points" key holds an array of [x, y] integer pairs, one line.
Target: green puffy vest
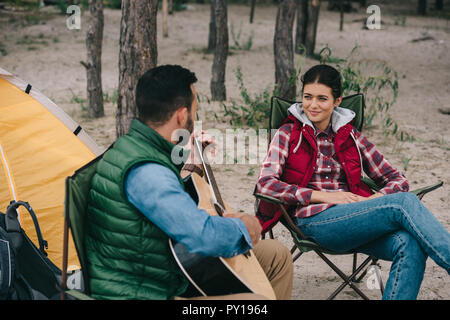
{"points": [[129, 256]]}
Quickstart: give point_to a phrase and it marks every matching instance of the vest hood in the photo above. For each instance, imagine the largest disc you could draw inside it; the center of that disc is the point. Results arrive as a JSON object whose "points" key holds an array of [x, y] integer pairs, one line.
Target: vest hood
{"points": [[339, 117]]}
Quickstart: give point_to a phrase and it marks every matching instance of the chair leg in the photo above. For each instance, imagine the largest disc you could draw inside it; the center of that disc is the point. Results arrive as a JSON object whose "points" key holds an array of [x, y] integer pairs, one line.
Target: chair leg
{"points": [[263, 236], [294, 247], [347, 280], [380, 280], [297, 256]]}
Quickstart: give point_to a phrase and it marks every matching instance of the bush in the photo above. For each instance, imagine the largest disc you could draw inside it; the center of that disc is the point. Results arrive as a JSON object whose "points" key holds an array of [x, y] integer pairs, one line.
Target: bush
{"points": [[254, 111], [113, 4]]}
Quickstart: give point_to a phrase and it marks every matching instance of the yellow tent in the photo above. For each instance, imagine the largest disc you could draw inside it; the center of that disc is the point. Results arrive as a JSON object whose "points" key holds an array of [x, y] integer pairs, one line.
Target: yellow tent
{"points": [[40, 145]]}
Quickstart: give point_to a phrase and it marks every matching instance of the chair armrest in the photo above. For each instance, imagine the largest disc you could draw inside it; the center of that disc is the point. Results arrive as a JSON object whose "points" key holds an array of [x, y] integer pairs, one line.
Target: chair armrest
{"points": [[268, 198], [418, 192], [422, 191], [370, 183], [303, 244]]}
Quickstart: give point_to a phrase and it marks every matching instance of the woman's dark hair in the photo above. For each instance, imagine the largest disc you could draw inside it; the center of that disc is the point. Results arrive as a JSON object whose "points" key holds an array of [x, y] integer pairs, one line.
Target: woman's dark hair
{"points": [[163, 90], [326, 75]]}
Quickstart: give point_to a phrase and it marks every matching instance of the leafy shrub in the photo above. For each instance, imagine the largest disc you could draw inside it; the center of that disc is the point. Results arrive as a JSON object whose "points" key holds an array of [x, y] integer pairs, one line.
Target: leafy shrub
{"points": [[254, 111]]}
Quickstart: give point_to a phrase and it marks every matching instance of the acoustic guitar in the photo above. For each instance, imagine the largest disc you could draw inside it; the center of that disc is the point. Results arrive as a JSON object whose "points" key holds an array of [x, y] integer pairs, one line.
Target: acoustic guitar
{"points": [[212, 276]]}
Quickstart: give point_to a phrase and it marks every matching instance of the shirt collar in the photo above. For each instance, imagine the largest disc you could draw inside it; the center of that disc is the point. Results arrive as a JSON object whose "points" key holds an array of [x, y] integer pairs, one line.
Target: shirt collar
{"points": [[328, 131]]}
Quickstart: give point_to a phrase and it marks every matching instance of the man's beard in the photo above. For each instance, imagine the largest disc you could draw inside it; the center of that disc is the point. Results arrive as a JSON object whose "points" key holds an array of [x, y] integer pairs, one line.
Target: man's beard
{"points": [[180, 135]]}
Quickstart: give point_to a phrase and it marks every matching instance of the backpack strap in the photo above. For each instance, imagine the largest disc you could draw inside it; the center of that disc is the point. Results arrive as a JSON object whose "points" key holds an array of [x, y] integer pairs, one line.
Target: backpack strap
{"points": [[14, 229]]}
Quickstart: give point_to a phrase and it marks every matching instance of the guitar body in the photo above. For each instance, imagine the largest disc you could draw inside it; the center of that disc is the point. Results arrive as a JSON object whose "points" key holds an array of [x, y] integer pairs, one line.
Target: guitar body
{"points": [[210, 276]]}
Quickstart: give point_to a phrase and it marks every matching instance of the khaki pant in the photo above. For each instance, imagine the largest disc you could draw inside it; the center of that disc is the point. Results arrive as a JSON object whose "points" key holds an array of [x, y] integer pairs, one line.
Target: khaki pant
{"points": [[276, 261]]}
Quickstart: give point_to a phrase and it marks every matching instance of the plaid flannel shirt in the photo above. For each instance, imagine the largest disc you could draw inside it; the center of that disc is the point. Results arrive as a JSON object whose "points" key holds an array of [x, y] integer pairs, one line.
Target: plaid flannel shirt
{"points": [[329, 175]]}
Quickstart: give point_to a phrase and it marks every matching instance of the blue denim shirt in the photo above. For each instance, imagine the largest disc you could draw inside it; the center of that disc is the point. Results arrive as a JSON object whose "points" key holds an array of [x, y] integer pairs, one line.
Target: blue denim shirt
{"points": [[156, 192]]}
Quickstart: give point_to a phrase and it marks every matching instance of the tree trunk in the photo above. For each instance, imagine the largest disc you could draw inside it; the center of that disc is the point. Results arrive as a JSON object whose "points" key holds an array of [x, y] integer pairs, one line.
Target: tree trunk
{"points": [[311, 29], [164, 7], [218, 90], [170, 6], [422, 7], [138, 53], [332, 4], [212, 27], [300, 32], [283, 50], [94, 39], [252, 10], [439, 5]]}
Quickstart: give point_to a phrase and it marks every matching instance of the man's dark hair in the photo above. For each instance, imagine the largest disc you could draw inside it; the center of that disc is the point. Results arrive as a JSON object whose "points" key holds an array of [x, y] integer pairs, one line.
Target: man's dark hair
{"points": [[162, 90]]}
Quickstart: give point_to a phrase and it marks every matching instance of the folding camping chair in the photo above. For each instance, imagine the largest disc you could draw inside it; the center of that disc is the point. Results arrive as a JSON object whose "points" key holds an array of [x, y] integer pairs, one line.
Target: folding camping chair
{"points": [[278, 112], [75, 209]]}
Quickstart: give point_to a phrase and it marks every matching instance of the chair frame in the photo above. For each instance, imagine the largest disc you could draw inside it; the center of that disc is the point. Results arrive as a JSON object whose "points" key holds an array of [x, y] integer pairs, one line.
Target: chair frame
{"points": [[74, 294], [303, 244]]}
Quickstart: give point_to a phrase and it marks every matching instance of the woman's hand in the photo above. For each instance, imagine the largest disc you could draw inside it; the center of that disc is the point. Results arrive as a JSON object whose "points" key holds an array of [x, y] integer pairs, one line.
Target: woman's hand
{"points": [[375, 195], [338, 197]]}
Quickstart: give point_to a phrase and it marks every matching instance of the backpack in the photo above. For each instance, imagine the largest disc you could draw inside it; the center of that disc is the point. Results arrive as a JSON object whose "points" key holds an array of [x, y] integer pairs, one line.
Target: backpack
{"points": [[25, 271]]}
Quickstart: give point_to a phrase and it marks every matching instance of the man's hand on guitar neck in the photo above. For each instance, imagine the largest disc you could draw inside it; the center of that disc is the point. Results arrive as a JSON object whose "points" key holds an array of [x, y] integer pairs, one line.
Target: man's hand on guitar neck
{"points": [[251, 223], [194, 163], [208, 146]]}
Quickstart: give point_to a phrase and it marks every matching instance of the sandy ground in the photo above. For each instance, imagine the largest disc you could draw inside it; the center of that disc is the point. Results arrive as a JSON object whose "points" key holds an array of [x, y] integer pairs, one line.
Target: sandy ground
{"points": [[47, 54]]}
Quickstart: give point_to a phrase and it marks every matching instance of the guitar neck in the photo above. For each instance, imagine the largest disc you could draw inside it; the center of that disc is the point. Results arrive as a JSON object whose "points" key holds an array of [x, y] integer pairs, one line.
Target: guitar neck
{"points": [[210, 178]]}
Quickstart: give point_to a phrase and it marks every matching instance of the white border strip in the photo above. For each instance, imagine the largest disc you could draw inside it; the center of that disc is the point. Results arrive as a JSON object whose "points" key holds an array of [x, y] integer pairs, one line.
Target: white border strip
{"points": [[9, 173], [9, 178]]}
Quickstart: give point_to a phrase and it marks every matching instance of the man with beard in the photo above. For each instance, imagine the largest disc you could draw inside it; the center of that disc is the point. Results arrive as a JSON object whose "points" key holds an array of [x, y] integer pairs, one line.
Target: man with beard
{"points": [[138, 201]]}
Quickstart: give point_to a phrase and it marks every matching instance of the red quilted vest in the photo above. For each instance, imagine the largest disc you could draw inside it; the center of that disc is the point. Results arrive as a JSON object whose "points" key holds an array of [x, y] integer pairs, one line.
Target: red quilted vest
{"points": [[300, 166]]}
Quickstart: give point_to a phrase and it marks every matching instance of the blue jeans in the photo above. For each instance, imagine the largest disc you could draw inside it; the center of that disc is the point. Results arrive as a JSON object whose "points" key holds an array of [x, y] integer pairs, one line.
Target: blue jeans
{"points": [[395, 227]]}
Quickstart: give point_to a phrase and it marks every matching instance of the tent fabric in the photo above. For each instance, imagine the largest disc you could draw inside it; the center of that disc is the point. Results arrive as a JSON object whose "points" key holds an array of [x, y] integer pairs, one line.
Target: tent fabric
{"points": [[40, 145]]}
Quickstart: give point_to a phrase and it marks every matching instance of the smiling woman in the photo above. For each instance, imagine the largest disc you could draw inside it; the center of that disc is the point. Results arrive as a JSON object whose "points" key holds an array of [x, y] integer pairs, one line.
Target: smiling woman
{"points": [[314, 165]]}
